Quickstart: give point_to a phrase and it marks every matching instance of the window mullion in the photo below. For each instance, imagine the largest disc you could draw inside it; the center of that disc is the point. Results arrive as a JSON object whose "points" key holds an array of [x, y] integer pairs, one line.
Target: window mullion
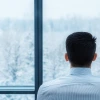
{"points": [[38, 44]]}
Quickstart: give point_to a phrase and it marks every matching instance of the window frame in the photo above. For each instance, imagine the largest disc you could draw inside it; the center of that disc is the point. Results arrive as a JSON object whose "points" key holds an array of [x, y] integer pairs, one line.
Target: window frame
{"points": [[38, 32], [38, 7]]}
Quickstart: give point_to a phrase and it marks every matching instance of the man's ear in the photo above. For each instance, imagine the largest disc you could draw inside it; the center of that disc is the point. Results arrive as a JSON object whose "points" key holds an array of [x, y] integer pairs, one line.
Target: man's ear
{"points": [[95, 56], [66, 57]]}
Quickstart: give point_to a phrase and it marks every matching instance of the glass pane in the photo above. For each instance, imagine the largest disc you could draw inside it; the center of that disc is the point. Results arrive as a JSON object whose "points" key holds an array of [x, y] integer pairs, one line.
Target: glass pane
{"points": [[61, 18], [16, 42], [17, 97]]}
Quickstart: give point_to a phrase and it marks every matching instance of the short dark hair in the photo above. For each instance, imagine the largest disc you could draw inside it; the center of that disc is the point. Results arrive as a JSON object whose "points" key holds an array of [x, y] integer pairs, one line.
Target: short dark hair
{"points": [[80, 47]]}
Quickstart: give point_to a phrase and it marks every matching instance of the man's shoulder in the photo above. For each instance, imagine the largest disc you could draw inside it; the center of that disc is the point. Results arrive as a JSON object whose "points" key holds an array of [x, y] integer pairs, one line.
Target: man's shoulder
{"points": [[48, 87], [67, 83], [51, 83], [70, 81], [96, 78], [56, 83]]}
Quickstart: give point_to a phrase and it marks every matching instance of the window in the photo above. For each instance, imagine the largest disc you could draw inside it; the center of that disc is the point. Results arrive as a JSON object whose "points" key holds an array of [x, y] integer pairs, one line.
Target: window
{"points": [[16, 42], [21, 35], [17, 75], [61, 18]]}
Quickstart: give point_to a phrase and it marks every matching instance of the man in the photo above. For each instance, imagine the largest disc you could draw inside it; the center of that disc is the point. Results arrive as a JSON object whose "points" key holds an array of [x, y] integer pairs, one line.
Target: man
{"points": [[80, 84]]}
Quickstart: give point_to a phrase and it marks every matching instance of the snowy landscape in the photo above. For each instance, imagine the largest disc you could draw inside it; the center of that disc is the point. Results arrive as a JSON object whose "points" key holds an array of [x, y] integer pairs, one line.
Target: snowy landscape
{"points": [[17, 39], [17, 51]]}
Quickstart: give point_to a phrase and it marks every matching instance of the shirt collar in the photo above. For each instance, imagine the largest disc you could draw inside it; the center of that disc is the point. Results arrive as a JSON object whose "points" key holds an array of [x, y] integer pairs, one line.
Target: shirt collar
{"points": [[80, 71]]}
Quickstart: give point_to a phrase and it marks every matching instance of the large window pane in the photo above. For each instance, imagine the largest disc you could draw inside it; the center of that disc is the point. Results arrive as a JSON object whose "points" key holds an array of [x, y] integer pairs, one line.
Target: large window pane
{"points": [[61, 18], [16, 42]]}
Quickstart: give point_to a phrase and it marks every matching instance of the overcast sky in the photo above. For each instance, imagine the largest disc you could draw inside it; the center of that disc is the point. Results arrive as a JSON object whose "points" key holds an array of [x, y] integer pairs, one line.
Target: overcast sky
{"points": [[53, 9], [62, 8], [20, 9]]}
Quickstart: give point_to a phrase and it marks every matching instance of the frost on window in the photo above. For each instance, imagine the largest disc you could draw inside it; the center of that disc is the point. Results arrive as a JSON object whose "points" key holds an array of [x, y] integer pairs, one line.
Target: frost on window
{"points": [[16, 42], [61, 18]]}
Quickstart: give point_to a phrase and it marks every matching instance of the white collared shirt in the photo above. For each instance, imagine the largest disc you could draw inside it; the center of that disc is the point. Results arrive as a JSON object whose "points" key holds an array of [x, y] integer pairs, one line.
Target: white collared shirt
{"points": [[79, 85]]}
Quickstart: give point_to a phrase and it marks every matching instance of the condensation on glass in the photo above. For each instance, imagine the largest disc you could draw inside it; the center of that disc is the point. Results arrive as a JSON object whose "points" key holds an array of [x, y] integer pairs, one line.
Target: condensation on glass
{"points": [[16, 42], [61, 18]]}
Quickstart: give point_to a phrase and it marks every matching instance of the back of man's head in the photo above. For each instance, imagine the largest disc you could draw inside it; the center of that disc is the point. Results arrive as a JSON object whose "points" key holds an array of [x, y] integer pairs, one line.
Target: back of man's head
{"points": [[80, 47]]}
